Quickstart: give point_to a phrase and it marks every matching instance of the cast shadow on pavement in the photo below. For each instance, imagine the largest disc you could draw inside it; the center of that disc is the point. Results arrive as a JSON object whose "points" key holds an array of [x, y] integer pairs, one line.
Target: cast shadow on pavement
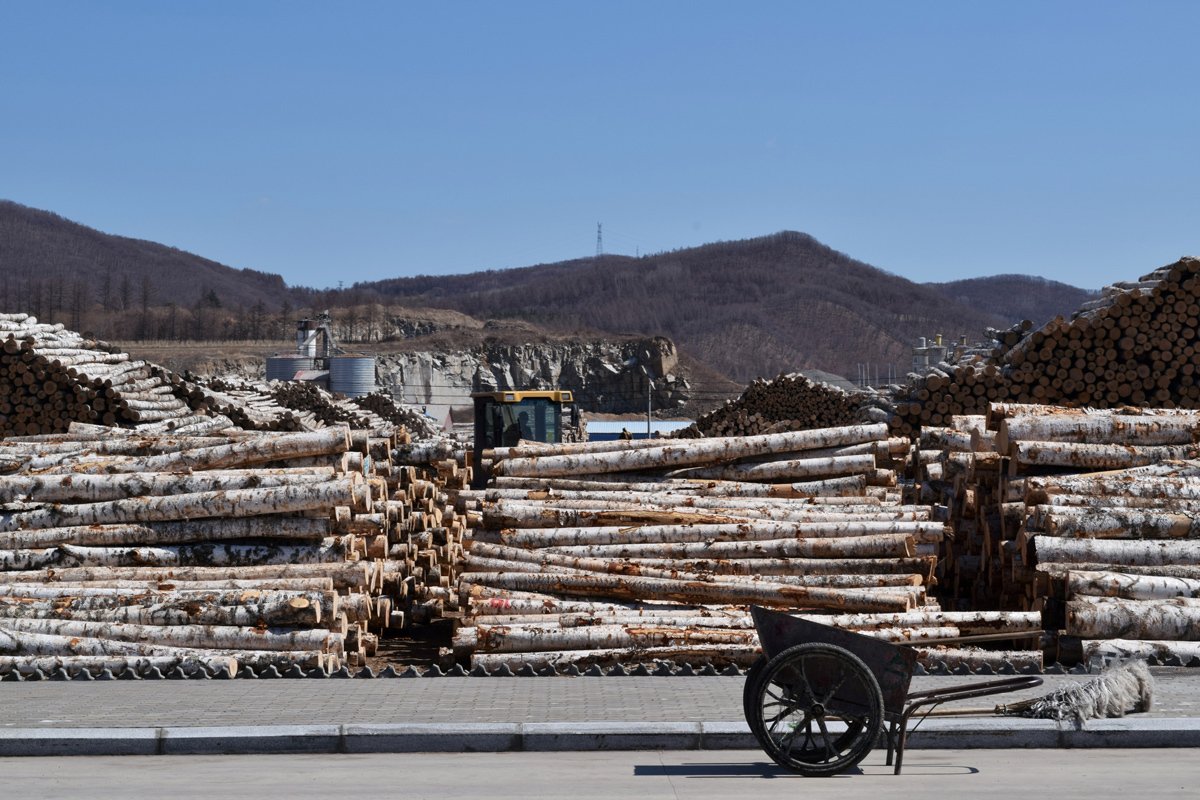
{"points": [[767, 769]]}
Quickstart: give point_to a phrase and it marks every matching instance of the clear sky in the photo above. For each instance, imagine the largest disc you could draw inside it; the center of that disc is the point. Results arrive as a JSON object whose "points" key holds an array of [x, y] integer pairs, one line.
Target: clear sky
{"points": [[362, 140]]}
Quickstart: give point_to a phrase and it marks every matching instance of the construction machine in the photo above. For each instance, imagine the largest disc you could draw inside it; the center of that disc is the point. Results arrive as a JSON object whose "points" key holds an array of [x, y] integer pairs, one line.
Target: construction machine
{"points": [[502, 419]]}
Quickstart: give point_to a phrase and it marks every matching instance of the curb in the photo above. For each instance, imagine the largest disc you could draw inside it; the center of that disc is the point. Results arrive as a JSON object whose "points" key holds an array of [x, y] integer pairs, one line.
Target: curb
{"points": [[960, 734]]}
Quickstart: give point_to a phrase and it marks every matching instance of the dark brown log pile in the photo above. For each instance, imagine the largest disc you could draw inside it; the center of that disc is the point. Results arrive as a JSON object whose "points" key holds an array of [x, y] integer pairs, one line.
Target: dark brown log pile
{"points": [[630, 552], [787, 403], [1135, 345]]}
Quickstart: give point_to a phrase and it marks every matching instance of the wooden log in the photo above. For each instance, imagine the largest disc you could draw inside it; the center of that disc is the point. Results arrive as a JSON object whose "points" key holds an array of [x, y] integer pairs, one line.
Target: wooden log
{"points": [[1130, 587], [680, 455], [877, 546], [344, 575], [696, 655], [1095, 456], [1114, 523], [172, 532], [96, 488], [233, 503], [165, 613], [260, 450], [921, 531], [773, 595], [1116, 551], [117, 664], [1177, 618], [1061, 569], [1143, 429], [1125, 649], [975, 658], [205, 555], [205, 637], [788, 469], [23, 643]]}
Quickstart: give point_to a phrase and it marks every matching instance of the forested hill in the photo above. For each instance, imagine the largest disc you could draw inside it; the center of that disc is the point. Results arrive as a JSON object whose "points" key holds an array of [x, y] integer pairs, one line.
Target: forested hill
{"points": [[49, 265], [748, 308], [1017, 296]]}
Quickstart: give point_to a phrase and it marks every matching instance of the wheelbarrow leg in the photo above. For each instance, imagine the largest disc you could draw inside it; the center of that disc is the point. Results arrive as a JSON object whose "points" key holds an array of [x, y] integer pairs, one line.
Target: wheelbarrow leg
{"points": [[901, 740], [891, 742]]}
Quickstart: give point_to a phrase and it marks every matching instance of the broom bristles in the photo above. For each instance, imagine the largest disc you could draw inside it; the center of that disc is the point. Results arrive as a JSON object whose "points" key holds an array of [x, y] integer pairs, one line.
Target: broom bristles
{"points": [[1118, 690]]}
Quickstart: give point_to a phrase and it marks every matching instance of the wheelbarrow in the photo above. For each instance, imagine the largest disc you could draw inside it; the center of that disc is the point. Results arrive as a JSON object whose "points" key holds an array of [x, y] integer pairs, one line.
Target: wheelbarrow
{"points": [[820, 698]]}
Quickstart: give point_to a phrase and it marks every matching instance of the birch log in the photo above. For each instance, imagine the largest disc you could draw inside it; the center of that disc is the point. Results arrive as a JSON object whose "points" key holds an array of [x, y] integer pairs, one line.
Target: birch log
{"points": [[747, 531], [205, 637], [1095, 523], [1130, 587], [1147, 552], [260, 450], [23, 643], [233, 503], [117, 664], [1134, 619], [773, 595], [173, 532], [1096, 456], [686, 454], [1124, 649], [789, 469], [97, 488], [878, 546], [344, 575]]}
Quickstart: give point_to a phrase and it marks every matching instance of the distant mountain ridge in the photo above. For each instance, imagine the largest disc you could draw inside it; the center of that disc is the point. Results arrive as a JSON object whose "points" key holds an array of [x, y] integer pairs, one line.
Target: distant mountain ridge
{"points": [[1017, 297], [42, 253], [748, 308]]}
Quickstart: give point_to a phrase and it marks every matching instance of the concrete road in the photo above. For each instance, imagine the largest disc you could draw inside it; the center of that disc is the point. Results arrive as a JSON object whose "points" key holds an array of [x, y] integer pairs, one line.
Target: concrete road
{"points": [[647, 775]]}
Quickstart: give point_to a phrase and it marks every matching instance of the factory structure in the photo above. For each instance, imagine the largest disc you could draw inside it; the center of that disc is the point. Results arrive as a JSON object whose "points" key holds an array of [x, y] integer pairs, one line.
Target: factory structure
{"points": [[318, 359]]}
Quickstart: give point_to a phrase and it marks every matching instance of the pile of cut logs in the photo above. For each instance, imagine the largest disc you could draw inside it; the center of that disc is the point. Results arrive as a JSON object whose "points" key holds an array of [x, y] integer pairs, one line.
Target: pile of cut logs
{"points": [[626, 552], [52, 377], [787, 403], [1088, 515], [1135, 345], [222, 548]]}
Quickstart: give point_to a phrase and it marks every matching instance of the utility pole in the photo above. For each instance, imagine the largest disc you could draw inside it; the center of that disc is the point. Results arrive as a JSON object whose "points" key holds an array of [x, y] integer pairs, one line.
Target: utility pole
{"points": [[649, 402], [599, 240]]}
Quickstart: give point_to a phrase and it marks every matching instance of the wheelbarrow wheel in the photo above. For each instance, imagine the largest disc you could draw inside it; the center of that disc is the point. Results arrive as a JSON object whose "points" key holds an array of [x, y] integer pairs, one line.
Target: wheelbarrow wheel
{"points": [[750, 689], [751, 709], [817, 709]]}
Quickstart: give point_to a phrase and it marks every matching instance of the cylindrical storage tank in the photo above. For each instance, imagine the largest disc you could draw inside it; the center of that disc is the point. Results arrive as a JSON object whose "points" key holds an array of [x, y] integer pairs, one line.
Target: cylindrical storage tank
{"points": [[353, 376], [284, 368], [304, 345]]}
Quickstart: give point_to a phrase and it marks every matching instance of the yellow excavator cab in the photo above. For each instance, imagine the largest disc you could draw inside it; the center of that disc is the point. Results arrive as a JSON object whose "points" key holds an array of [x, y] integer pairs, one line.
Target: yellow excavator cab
{"points": [[504, 418]]}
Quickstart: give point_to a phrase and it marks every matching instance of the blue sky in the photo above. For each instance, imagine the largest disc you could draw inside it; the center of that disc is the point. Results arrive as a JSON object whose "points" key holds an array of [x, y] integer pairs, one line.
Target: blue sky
{"points": [[356, 141]]}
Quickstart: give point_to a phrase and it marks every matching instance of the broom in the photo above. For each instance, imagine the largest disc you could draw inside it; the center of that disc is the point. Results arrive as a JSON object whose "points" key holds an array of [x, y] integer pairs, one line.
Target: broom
{"points": [[1118, 690]]}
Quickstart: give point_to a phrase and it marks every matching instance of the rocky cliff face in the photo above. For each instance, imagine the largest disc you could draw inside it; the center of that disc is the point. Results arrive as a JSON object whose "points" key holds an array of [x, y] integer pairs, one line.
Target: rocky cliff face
{"points": [[606, 376]]}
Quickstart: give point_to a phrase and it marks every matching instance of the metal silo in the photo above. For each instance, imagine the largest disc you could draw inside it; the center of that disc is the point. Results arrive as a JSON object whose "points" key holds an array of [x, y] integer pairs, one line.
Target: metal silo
{"points": [[353, 376], [284, 368]]}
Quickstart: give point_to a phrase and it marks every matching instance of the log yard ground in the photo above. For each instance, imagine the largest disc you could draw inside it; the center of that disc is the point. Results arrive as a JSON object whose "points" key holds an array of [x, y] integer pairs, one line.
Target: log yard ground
{"points": [[189, 565]]}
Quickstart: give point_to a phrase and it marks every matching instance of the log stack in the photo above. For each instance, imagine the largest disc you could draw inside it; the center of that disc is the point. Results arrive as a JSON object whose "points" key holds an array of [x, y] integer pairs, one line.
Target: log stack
{"points": [[52, 377], [790, 402], [625, 552], [1088, 515], [290, 552], [1135, 345]]}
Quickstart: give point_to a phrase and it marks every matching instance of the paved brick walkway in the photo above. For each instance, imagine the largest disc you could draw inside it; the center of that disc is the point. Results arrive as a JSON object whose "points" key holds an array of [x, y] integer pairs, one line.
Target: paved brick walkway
{"points": [[139, 704]]}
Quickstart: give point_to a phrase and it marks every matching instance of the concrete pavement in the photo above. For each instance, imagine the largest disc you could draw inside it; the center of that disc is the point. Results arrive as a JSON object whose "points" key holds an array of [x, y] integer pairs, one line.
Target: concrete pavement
{"points": [[660, 775], [496, 714]]}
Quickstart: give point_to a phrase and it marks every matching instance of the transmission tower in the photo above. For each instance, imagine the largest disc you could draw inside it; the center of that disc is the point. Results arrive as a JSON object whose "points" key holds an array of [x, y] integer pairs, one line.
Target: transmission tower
{"points": [[599, 240]]}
